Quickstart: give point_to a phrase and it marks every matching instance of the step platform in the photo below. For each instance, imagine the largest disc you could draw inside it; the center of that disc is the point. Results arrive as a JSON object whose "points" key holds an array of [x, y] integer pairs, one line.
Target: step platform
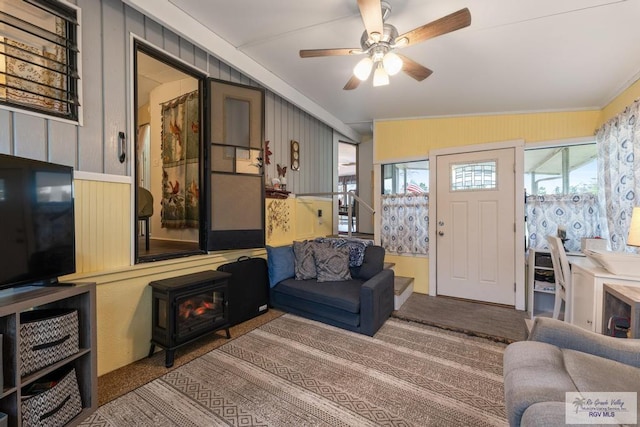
{"points": [[402, 290]]}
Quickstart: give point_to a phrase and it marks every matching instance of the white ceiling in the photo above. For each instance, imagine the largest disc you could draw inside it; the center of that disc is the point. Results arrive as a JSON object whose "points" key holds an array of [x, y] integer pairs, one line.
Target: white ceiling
{"points": [[517, 55]]}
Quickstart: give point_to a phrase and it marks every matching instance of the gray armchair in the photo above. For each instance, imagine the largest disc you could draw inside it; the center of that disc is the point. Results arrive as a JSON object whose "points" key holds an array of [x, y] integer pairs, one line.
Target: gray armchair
{"points": [[557, 358]]}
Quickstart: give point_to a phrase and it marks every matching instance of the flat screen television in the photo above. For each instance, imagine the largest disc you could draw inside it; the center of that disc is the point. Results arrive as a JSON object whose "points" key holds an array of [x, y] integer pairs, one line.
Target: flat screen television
{"points": [[37, 225]]}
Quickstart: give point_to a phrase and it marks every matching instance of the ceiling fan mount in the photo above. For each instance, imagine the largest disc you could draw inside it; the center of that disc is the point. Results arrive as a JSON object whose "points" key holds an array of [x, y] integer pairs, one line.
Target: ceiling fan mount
{"points": [[380, 39]]}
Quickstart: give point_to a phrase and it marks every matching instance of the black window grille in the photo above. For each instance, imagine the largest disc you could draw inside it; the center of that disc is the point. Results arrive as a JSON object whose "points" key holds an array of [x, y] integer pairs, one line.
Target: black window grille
{"points": [[39, 57]]}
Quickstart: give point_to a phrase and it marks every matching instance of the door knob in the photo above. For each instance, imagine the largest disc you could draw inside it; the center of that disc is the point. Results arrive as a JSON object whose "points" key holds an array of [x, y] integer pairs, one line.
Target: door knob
{"points": [[440, 233]]}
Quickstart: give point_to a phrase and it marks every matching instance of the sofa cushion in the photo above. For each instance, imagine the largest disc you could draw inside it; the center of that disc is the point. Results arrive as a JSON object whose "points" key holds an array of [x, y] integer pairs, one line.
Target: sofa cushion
{"points": [[344, 295], [373, 263], [305, 265], [313, 310], [332, 264], [595, 374], [280, 262], [533, 372]]}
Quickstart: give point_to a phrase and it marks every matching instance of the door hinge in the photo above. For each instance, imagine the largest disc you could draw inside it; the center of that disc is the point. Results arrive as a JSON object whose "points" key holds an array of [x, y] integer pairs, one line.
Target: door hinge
{"points": [[514, 287], [514, 227]]}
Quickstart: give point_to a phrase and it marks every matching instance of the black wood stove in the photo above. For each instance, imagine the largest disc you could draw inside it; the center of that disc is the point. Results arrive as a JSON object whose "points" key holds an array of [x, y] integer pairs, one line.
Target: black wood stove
{"points": [[187, 307]]}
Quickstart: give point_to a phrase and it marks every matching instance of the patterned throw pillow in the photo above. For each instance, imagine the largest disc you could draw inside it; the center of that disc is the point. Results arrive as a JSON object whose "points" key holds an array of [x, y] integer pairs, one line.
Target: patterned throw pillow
{"points": [[305, 265], [356, 247], [332, 264]]}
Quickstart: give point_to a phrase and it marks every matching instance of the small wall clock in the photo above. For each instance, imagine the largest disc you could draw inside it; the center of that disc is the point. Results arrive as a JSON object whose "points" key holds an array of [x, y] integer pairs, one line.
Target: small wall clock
{"points": [[295, 155]]}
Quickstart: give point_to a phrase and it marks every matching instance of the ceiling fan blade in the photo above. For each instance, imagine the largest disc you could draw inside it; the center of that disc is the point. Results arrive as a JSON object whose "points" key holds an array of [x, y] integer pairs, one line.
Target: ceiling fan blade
{"points": [[352, 83], [415, 70], [312, 53], [371, 12], [444, 25]]}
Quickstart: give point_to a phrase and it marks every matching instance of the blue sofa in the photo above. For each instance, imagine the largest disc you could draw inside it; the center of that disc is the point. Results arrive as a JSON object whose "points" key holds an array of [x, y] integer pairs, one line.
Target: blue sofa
{"points": [[361, 304]]}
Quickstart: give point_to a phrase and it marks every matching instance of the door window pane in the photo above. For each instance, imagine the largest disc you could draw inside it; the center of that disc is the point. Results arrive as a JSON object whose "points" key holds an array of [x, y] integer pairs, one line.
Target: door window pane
{"points": [[474, 176]]}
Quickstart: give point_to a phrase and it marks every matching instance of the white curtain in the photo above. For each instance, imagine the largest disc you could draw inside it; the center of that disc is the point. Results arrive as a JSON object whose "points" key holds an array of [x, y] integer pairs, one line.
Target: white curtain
{"points": [[578, 214], [405, 223], [618, 143]]}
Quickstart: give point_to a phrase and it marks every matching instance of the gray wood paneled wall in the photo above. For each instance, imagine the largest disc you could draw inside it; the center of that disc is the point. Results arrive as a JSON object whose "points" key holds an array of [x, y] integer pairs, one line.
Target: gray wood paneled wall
{"points": [[93, 147]]}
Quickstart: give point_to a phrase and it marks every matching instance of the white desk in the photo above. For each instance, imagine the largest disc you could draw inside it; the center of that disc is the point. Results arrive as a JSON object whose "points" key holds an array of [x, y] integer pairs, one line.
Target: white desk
{"points": [[587, 281]]}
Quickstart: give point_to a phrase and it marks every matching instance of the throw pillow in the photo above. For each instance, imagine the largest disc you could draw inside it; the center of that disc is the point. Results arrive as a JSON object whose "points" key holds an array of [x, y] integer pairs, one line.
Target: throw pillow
{"points": [[356, 247], [332, 264], [305, 265], [280, 262]]}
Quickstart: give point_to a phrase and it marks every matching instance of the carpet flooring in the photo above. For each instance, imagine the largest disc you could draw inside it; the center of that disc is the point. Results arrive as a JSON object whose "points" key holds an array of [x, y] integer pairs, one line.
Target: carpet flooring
{"points": [[121, 381], [297, 372], [498, 323]]}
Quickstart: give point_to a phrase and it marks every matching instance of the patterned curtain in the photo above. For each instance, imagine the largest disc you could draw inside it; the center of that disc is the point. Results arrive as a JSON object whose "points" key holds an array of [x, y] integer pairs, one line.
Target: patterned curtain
{"points": [[180, 162], [405, 223], [618, 143], [579, 214], [41, 71]]}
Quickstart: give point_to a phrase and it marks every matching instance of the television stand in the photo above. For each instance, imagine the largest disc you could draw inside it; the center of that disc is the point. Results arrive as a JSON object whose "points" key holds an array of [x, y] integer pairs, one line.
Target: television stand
{"points": [[13, 302]]}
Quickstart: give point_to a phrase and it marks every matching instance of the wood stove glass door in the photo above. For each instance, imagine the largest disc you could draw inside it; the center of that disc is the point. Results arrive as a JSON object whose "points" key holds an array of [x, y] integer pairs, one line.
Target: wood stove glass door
{"points": [[200, 311]]}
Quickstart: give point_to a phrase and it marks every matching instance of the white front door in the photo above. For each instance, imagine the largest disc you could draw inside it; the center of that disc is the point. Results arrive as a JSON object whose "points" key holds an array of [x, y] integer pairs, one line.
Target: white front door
{"points": [[475, 225]]}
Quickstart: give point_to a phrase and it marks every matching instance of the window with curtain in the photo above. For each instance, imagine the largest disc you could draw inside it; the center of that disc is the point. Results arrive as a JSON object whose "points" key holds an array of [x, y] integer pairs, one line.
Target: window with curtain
{"points": [[405, 208], [39, 57], [561, 185]]}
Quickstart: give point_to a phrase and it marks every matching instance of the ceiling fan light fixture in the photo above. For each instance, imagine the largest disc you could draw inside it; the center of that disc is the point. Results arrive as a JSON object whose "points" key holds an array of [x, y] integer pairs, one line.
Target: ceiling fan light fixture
{"points": [[392, 63], [362, 70], [380, 76]]}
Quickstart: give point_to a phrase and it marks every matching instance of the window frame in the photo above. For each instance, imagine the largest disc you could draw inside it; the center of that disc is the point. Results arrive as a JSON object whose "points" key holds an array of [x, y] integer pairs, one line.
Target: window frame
{"points": [[73, 65]]}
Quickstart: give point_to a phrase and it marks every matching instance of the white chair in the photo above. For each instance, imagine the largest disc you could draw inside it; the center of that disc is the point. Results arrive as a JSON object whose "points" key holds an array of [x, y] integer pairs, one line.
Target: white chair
{"points": [[562, 276]]}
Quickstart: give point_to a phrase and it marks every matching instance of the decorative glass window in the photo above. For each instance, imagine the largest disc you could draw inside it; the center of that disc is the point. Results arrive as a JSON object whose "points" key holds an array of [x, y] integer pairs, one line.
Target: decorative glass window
{"points": [[39, 57], [474, 176], [406, 177]]}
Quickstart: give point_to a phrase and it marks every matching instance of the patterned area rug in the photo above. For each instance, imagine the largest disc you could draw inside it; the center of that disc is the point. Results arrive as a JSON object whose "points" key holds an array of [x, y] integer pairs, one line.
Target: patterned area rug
{"points": [[297, 372]]}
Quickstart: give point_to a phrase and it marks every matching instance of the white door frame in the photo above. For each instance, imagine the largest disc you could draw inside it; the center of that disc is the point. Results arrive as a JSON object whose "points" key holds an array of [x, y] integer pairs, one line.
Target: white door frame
{"points": [[518, 146]]}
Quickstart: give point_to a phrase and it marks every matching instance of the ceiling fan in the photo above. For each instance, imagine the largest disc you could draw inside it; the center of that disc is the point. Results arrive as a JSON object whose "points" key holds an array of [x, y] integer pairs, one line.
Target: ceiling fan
{"points": [[380, 40]]}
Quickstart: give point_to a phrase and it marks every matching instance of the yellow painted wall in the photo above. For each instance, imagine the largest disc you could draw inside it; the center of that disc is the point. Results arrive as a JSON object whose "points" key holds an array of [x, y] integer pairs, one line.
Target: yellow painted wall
{"points": [[103, 225], [618, 105], [412, 266], [297, 219], [396, 139]]}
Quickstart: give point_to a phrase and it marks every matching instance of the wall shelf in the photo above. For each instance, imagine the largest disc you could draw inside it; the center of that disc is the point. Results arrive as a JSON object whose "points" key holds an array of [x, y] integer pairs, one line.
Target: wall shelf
{"points": [[541, 283]]}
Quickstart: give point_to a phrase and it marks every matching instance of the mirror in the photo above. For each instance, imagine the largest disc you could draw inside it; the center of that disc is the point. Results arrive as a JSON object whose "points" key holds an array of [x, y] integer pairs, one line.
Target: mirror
{"points": [[167, 157]]}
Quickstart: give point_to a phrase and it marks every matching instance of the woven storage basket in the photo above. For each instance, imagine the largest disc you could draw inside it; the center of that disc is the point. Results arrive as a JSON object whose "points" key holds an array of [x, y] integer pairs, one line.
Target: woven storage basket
{"points": [[47, 336], [54, 407]]}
